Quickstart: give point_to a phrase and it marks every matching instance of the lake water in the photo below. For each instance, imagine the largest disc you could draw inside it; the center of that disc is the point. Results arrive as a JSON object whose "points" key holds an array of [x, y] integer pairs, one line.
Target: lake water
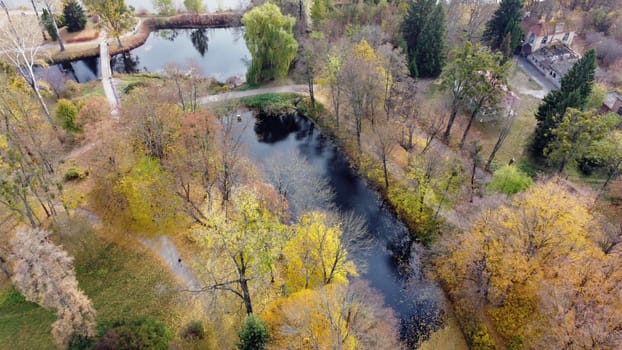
{"points": [[392, 264], [219, 52]]}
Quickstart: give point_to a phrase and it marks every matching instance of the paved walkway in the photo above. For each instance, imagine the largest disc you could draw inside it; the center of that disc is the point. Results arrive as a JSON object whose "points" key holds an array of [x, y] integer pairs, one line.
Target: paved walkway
{"points": [[299, 89], [106, 75]]}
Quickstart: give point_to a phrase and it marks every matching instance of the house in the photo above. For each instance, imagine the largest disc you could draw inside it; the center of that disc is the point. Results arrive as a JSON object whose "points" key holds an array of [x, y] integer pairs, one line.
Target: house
{"points": [[545, 34], [547, 47], [554, 61], [613, 103]]}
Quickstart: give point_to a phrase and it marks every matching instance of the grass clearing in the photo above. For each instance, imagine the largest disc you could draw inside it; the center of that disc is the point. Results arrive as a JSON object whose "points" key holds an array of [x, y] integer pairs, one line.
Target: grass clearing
{"points": [[122, 283], [517, 143]]}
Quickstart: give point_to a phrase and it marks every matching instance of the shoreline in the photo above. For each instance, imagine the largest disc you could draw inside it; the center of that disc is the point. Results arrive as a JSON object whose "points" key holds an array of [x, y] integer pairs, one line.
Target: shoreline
{"points": [[146, 26]]}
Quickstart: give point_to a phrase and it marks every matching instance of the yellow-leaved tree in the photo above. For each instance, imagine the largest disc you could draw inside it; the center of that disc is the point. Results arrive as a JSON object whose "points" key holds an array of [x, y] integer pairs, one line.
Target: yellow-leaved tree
{"points": [[317, 253], [343, 316], [240, 246], [535, 267]]}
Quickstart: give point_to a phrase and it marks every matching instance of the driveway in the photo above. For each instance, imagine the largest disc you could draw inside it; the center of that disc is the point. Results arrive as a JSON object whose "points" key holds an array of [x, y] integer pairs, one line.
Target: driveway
{"points": [[536, 75]]}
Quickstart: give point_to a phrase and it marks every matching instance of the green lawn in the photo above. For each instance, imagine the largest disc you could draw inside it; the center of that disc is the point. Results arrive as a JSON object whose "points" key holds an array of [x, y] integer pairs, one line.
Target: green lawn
{"points": [[122, 283]]}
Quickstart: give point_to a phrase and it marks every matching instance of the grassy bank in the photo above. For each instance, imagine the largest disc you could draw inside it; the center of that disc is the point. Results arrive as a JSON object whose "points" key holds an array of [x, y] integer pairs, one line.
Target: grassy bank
{"points": [[122, 283]]}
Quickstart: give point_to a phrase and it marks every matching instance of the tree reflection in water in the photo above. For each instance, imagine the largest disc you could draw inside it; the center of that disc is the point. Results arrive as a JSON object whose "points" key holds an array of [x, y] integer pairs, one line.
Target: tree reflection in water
{"points": [[200, 40]]}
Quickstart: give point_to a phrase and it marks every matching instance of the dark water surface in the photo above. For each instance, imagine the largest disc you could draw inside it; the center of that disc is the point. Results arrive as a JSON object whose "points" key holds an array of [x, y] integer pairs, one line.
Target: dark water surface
{"points": [[393, 268]]}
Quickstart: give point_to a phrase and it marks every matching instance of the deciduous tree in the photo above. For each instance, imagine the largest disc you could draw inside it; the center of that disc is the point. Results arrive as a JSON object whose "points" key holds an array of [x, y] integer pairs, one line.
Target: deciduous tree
{"points": [[114, 13], [240, 246], [573, 137], [319, 251], [337, 316], [270, 41], [535, 269], [44, 274], [21, 45]]}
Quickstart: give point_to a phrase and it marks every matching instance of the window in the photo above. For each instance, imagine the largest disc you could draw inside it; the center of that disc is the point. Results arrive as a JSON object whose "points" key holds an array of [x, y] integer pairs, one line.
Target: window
{"points": [[544, 40], [532, 38], [566, 36], [620, 111]]}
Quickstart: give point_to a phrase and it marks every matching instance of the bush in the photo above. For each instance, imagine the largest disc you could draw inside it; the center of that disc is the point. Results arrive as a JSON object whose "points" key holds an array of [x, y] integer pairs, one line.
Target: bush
{"points": [[509, 180], [193, 331], [80, 342], [138, 334], [273, 104], [66, 113], [133, 85], [74, 173], [479, 338], [254, 335], [70, 89]]}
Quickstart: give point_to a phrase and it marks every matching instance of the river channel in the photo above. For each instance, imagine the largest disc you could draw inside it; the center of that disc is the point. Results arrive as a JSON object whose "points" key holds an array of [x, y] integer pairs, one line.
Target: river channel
{"points": [[392, 263]]}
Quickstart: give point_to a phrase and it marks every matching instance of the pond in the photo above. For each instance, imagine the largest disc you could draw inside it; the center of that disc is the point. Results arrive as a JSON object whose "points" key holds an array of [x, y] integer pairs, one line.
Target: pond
{"points": [[392, 263], [219, 52]]}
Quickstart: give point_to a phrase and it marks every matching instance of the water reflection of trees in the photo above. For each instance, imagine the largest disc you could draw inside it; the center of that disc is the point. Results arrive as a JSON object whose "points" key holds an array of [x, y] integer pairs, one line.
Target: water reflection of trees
{"points": [[200, 40], [167, 34], [125, 63]]}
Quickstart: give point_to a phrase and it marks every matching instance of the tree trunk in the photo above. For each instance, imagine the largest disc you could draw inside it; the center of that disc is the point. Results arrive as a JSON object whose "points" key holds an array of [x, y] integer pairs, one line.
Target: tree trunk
{"points": [[468, 127], [58, 37], [500, 140], [246, 295], [34, 7], [562, 166], [311, 92], [386, 172], [450, 123], [119, 41]]}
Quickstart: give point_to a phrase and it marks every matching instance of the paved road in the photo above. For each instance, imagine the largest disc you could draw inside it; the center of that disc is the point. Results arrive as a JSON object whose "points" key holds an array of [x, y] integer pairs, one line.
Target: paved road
{"points": [[299, 89], [536, 75]]}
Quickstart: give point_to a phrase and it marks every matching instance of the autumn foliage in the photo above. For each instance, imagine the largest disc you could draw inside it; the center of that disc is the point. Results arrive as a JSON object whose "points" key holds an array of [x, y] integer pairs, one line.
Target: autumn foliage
{"points": [[536, 268]]}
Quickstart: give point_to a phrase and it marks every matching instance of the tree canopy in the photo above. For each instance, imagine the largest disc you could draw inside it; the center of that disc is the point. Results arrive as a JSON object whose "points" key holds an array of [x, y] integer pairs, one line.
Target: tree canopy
{"points": [[270, 40], [504, 28], [424, 33], [74, 16]]}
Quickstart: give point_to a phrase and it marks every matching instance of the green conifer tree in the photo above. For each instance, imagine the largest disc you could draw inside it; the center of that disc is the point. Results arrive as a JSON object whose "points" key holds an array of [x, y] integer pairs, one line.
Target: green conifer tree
{"points": [[74, 16], [506, 19], [424, 33], [576, 87]]}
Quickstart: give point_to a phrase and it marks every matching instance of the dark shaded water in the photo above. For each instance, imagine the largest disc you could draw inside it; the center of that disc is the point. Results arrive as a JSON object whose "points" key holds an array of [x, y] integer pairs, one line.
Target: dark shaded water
{"points": [[393, 268], [218, 52]]}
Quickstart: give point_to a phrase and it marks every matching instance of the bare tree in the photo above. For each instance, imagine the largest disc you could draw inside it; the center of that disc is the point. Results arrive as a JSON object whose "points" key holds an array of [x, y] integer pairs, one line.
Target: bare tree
{"points": [[156, 120], [25, 166], [299, 183], [43, 272], [20, 45], [385, 140], [505, 130]]}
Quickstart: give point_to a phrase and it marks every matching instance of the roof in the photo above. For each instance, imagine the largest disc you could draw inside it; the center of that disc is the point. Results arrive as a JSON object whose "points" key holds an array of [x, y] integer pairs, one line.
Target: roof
{"points": [[548, 28], [558, 58], [611, 99]]}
